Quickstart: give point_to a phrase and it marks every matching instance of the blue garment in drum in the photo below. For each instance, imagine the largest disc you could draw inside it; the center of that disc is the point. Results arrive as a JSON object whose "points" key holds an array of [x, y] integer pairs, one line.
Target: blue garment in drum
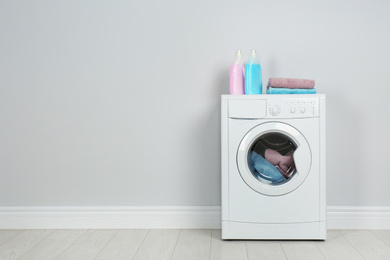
{"points": [[261, 168]]}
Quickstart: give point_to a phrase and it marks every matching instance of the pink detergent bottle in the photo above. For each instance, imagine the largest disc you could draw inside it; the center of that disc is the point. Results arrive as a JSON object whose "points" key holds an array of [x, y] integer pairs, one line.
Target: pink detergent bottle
{"points": [[237, 80]]}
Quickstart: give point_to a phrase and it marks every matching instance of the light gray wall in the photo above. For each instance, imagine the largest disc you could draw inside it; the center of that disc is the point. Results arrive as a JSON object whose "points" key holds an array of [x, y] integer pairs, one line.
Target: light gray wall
{"points": [[116, 103]]}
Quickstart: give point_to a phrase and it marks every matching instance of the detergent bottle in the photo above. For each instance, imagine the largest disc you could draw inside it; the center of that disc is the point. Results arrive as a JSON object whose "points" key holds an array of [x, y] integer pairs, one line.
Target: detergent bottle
{"points": [[237, 75], [253, 81]]}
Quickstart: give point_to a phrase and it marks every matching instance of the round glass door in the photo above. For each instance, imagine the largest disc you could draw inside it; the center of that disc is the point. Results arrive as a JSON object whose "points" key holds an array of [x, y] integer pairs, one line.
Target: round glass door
{"points": [[274, 158]]}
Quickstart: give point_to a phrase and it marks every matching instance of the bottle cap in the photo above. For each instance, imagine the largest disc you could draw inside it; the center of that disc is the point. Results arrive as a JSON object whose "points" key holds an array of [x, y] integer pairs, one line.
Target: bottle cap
{"points": [[238, 57]]}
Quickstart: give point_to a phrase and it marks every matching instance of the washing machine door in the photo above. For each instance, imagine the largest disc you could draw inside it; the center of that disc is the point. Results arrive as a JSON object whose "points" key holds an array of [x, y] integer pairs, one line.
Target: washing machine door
{"points": [[274, 158]]}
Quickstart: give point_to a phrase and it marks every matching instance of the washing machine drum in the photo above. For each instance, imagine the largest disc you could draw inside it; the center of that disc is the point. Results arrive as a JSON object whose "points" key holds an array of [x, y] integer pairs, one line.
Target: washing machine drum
{"points": [[274, 158]]}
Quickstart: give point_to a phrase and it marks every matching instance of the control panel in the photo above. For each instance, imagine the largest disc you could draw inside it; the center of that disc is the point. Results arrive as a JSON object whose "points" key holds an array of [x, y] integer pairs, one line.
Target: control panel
{"points": [[293, 108]]}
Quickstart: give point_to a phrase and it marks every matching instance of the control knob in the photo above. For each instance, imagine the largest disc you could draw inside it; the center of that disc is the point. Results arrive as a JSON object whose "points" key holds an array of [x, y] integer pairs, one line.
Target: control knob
{"points": [[275, 110]]}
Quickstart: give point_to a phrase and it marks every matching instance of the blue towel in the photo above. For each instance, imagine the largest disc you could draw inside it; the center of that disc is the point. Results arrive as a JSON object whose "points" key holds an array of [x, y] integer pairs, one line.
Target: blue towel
{"points": [[272, 90], [262, 168]]}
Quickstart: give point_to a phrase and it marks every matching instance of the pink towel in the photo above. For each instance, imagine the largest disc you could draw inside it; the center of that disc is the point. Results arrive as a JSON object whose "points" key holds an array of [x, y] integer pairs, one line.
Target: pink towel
{"points": [[290, 83], [284, 163]]}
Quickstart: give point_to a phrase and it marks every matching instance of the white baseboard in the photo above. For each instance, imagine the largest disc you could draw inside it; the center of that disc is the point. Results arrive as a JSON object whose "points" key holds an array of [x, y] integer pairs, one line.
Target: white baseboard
{"points": [[109, 217], [358, 217], [165, 217]]}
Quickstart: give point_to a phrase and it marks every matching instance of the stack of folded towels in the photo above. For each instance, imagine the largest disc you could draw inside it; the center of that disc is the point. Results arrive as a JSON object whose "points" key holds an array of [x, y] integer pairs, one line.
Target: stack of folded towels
{"points": [[290, 86]]}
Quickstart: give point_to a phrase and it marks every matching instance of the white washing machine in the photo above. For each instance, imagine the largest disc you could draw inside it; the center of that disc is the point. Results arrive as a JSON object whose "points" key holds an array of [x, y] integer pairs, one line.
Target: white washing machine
{"points": [[273, 167]]}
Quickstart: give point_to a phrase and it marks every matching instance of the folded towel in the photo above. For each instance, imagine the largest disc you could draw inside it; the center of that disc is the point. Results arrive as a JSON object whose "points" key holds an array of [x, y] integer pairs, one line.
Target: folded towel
{"points": [[261, 168], [272, 90], [284, 163], [290, 83]]}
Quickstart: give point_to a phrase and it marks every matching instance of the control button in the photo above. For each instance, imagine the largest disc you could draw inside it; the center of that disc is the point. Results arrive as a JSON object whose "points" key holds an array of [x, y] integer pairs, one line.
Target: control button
{"points": [[275, 110], [292, 110], [303, 110]]}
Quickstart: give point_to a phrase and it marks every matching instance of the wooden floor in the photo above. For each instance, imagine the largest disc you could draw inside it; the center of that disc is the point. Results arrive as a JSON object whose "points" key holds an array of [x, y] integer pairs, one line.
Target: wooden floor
{"points": [[159, 244]]}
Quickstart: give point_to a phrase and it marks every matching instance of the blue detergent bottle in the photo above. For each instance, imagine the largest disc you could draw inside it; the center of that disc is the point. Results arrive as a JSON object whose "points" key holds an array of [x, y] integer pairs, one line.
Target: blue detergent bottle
{"points": [[253, 80]]}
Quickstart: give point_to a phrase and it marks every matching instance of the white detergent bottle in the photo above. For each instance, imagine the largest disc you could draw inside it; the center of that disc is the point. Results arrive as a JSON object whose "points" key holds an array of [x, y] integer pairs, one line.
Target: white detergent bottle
{"points": [[237, 75], [253, 80]]}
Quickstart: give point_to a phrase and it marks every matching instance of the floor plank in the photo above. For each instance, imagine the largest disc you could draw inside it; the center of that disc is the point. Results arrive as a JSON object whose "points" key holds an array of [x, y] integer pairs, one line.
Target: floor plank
{"points": [[54, 245], [301, 250], [158, 244], [337, 247], [123, 245], [368, 245], [193, 244], [7, 234], [226, 250], [265, 250], [20, 244], [89, 245], [384, 235]]}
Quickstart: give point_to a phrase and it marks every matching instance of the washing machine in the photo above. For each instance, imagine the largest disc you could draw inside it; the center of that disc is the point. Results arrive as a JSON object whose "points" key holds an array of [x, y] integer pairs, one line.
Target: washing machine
{"points": [[273, 167]]}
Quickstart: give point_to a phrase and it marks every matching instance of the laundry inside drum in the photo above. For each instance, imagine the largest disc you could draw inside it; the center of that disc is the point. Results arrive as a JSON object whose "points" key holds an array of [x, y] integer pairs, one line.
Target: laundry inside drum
{"points": [[271, 160]]}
